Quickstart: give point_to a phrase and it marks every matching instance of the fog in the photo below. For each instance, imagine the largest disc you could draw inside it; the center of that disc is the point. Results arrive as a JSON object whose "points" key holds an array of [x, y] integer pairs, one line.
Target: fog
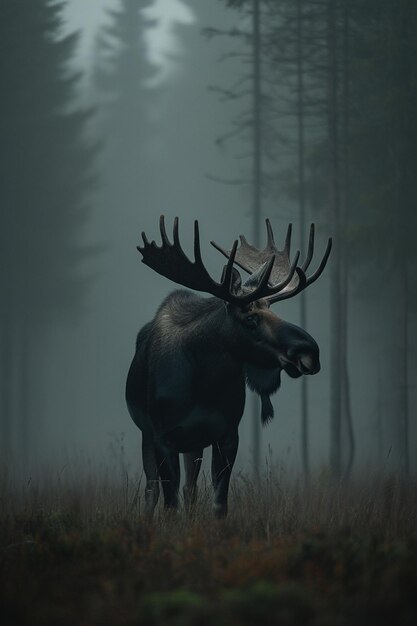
{"points": [[148, 115]]}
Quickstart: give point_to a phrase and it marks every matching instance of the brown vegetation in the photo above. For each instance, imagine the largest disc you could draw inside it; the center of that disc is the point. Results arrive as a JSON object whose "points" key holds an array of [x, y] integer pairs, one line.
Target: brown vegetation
{"points": [[80, 552]]}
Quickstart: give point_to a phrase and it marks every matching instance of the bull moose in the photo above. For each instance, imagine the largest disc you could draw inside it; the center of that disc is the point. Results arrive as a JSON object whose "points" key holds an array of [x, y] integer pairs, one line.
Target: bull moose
{"points": [[186, 385]]}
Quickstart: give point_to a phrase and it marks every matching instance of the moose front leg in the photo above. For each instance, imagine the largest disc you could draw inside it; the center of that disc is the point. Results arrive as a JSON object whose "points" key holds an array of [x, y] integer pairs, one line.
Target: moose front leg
{"points": [[151, 472], [169, 471], [224, 455], [192, 464]]}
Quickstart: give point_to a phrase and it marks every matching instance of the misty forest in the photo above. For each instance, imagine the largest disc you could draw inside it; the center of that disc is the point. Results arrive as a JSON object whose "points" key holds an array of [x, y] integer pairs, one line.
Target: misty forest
{"points": [[246, 115]]}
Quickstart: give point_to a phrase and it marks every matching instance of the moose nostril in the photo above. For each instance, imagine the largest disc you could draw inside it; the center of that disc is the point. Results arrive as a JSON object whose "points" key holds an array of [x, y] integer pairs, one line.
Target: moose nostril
{"points": [[306, 361], [309, 364]]}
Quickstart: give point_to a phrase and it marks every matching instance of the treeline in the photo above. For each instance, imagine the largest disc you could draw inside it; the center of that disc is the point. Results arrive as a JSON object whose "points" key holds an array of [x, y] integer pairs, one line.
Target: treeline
{"points": [[339, 103]]}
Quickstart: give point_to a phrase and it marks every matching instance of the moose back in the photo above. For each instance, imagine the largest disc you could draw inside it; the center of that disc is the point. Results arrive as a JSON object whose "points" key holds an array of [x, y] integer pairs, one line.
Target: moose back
{"points": [[186, 385]]}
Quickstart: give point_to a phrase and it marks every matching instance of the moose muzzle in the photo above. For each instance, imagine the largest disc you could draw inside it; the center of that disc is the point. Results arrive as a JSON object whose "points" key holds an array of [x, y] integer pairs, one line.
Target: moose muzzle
{"points": [[298, 351]]}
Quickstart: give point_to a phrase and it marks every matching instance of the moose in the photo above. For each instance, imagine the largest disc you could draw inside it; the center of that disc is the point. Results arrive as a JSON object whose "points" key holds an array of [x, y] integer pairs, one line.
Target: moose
{"points": [[185, 388]]}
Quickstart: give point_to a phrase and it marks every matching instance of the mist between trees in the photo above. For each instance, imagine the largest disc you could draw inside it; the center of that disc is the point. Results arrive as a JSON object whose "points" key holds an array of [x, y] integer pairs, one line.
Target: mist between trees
{"points": [[312, 106]]}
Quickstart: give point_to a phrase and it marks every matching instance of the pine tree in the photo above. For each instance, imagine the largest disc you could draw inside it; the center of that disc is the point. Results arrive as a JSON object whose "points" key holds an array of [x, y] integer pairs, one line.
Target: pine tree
{"points": [[47, 171], [123, 75], [383, 147]]}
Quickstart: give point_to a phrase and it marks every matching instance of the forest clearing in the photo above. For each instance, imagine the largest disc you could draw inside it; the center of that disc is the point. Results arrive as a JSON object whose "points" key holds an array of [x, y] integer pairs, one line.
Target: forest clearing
{"points": [[288, 553]]}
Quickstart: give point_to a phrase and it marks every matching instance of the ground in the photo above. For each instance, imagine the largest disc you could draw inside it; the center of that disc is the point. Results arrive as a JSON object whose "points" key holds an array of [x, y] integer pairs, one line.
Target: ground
{"points": [[324, 553]]}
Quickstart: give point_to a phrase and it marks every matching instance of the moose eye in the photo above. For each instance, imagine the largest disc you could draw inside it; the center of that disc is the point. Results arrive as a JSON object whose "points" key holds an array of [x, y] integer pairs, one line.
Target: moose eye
{"points": [[252, 321]]}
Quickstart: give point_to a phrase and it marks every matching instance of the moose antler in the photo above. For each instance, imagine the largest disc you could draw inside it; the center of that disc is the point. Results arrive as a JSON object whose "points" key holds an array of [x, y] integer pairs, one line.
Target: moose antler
{"points": [[250, 259], [170, 261]]}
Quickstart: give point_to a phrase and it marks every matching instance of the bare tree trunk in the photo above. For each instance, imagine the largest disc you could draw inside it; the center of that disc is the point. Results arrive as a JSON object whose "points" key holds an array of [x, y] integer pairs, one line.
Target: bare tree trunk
{"points": [[379, 418], [7, 381], [405, 177], [302, 222], [24, 399], [344, 295], [6, 396], [335, 278], [257, 186], [403, 366]]}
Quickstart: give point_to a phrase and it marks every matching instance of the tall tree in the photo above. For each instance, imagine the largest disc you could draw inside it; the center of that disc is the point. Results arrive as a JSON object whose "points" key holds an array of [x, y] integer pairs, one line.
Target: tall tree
{"points": [[47, 171], [123, 75], [288, 50], [333, 125], [383, 147], [257, 183], [301, 155]]}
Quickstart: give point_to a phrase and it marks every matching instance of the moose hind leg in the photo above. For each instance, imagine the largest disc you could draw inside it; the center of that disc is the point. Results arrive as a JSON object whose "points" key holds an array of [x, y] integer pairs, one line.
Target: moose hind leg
{"points": [[150, 467], [224, 456], [192, 465]]}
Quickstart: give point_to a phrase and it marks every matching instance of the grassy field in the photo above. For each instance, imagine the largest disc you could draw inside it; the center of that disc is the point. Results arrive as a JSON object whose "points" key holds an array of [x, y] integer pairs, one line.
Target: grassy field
{"points": [[79, 552]]}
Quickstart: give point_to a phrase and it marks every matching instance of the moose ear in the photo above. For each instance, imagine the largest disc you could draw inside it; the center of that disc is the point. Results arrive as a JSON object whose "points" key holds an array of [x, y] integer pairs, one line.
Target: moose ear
{"points": [[235, 281]]}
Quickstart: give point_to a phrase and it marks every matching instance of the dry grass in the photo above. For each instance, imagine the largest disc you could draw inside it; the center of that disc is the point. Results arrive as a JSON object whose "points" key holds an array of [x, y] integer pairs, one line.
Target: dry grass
{"points": [[78, 551]]}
